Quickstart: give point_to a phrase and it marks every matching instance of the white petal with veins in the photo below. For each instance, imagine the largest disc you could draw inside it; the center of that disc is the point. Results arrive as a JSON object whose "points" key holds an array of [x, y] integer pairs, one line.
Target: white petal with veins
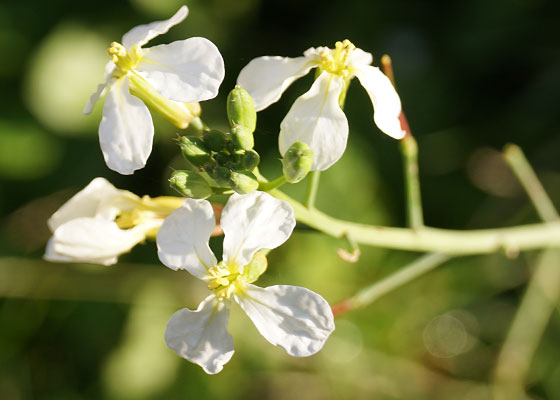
{"points": [[317, 120], [141, 34], [201, 336], [252, 222], [266, 78], [292, 317], [126, 131], [182, 240]]}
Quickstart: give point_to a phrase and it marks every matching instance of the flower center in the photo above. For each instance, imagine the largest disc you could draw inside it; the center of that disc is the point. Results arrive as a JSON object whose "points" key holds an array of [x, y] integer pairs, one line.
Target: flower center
{"points": [[335, 61], [224, 281], [123, 59]]}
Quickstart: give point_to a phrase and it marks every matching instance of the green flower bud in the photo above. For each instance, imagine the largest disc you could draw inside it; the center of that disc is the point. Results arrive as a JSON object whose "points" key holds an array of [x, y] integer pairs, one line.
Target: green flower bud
{"points": [[222, 159], [297, 162], [242, 137], [256, 267], [250, 160], [194, 150], [222, 176], [190, 184], [214, 140], [241, 109], [243, 182]]}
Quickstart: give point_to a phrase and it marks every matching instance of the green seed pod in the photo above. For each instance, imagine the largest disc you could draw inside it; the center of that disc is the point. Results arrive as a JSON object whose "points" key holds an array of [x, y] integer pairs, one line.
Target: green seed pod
{"points": [[242, 137], [256, 267], [214, 140], [190, 184], [194, 150], [297, 162], [241, 109], [222, 176], [243, 182], [250, 160]]}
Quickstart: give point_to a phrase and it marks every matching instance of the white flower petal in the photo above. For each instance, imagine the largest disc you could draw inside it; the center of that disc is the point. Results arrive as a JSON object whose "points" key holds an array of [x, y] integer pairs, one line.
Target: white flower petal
{"points": [[92, 239], [254, 221], [188, 70], [126, 131], [317, 120], [266, 78], [52, 255], [201, 336], [101, 88], [85, 203], [182, 240], [385, 100], [141, 34], [292, 317], [358, 56]]}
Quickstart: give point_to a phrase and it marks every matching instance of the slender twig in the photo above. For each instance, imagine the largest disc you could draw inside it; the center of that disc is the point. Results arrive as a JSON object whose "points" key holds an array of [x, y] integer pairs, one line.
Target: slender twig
{"points": [[312, 187], [378, 289], [428, 239], [522, 169], [541, 296], [409, 150]]}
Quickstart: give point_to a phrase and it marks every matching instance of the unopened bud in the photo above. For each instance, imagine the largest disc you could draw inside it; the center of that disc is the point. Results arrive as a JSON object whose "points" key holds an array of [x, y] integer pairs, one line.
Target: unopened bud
{"points": [[242, 137], [297, 162], [194, 150], [214, 140], [190, 184], [256, 267], [241, 109], [243, 182], [222, 176], [250, 160]]}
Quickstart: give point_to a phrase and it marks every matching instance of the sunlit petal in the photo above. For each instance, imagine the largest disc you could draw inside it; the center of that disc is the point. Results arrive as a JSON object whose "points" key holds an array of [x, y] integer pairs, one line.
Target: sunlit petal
{"points": [[52, 255], [201, 336], [317, 120], [385, 100], [266, 78], [126, 131], [186, 70], [85, 203], [360, 57], [252, 222], [294, 318], [182, 240], [101, 88], [91, 239], [141, 34]]}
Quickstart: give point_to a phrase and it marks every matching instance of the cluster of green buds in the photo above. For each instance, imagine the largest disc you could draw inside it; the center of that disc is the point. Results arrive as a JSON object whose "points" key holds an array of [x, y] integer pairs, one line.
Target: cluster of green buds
{"points": [[221, 160]]}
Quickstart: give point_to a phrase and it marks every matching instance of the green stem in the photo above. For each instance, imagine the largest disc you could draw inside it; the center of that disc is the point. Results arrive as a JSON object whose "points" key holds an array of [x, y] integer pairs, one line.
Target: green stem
{"points": [[431, 240], [540, 298], [312, 187], [405, 275], [267, 186], [522, 169], [409, 150]]}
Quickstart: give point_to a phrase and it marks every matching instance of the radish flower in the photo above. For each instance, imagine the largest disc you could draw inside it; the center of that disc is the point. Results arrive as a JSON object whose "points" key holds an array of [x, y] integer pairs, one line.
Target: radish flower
{"points": [[316, 117], [292, 317], [164, 77], [102, 222]]}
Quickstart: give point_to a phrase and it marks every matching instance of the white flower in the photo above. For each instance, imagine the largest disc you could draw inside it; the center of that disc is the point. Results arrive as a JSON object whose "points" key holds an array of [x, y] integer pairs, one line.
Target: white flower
{"points": [[101, 222], [184, 71], [316, 117], [292, 317]]}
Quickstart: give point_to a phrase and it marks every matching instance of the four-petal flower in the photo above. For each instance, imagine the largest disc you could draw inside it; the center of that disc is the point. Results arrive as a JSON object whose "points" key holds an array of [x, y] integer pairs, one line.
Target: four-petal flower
{"points": [[292, 317], [316, 117], [184, 71]]}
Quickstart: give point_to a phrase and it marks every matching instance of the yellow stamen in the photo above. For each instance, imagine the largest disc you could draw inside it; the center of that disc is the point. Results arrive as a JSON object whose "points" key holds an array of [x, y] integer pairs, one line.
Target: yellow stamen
{"points": [[123, 59], [335, 61]]}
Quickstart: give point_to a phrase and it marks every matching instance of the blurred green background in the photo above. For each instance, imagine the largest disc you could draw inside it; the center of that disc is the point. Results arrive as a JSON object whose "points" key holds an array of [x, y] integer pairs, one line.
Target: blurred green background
{"points": [[472, 75]]}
